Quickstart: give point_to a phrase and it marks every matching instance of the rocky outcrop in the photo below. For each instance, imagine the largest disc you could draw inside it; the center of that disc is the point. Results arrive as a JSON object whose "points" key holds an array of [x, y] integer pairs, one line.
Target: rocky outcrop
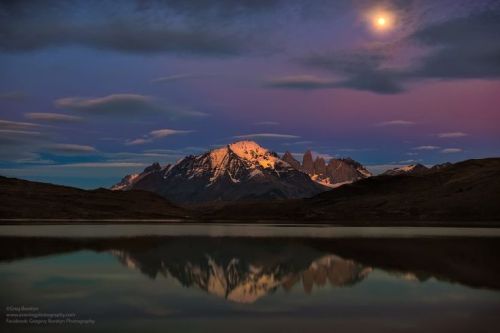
{"points": [[336, 171]]}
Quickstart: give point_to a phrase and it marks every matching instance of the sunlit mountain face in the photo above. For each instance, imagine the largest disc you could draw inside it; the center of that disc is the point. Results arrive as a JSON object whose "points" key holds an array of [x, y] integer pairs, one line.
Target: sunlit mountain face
{"points": [[91, 91]]}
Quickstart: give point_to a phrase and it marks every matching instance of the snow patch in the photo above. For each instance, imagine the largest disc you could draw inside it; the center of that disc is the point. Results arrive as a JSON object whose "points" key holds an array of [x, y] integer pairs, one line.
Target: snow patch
{"points": [[365, 173], [407, 168], [253, 152], [126, 182]]}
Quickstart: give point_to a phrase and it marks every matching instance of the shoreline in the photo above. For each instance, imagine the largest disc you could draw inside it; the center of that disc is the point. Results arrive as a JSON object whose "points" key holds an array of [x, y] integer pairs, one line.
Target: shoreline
{"points": [[270, 222], [90, 231]]}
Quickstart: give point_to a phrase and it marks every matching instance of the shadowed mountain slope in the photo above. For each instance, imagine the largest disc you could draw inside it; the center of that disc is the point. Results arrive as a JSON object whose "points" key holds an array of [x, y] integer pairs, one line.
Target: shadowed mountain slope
{"points": [[27, 199], [466, 191]]}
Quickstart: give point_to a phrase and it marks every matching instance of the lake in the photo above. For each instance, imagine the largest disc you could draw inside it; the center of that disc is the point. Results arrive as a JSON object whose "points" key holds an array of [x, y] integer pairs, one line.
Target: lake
{"points": [[247, 278]]}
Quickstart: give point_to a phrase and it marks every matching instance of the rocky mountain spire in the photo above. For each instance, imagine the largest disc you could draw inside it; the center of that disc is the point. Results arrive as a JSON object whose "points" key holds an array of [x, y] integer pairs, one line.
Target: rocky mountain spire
{"points": [[288, 158], [336, 171], [320, 166], [307, 163]]}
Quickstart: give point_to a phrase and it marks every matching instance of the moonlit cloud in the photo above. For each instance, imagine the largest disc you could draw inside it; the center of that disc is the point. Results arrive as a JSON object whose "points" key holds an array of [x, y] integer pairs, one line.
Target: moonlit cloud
{"points": [[304, 82], [17, 125], [22, 157], [298, 143], [410, 161], [147, 157], [136, 142], [111, 104], [19, 140], [452, 135], [464, 47], [70, 148], [395, 123], [162, 133], [426, 148], [215, 28], [360, 69], [155, 135], [182, 151], [100, 165], [177, 77], [452, 150], [13, 136], [457, 47], [131, 31], [266, 136], [9, 131], [122, 105], [52, 117]]}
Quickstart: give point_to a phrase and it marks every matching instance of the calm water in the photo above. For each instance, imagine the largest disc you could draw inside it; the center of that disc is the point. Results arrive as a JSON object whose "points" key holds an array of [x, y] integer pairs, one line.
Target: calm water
{"points": [[251, 278]]}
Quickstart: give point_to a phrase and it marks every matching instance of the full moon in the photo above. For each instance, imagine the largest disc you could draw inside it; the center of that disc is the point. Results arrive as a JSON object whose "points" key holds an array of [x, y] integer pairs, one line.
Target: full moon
{"points": [[381, 20]]}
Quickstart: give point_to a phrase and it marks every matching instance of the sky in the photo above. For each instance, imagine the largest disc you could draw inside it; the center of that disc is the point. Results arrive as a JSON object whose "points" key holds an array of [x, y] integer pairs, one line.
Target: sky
{"points": [[93, 90]]}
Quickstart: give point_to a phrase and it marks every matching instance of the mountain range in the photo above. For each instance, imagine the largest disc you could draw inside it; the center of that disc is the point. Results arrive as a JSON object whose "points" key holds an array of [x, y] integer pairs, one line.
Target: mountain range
{"points": [[245, 171], [407, 169], [464, 193], [414, 169]]}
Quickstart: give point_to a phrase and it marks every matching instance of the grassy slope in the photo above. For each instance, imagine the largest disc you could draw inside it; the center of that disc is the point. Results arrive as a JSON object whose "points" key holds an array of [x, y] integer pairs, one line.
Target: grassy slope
{"points": [[26, 199], [466, 191]]}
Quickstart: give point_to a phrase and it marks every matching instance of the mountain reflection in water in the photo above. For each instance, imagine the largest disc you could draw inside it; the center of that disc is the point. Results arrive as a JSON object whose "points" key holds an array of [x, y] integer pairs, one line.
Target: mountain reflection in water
{"points": [[244, 270], [246, 279]]}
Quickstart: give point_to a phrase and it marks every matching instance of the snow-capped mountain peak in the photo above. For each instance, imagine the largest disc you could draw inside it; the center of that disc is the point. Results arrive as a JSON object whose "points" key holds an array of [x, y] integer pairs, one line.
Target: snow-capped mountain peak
{"points": [[243, 170], [407, 169], [253, 152], [240, 171], [248, 151]]}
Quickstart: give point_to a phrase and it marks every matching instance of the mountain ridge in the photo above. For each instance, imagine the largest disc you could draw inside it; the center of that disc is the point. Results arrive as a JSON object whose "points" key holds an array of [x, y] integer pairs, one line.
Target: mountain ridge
{"points": [[337, 172], [243, 170], [23, 199], [239, 171], [407, 169], [463, 194], [465, 191]]}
